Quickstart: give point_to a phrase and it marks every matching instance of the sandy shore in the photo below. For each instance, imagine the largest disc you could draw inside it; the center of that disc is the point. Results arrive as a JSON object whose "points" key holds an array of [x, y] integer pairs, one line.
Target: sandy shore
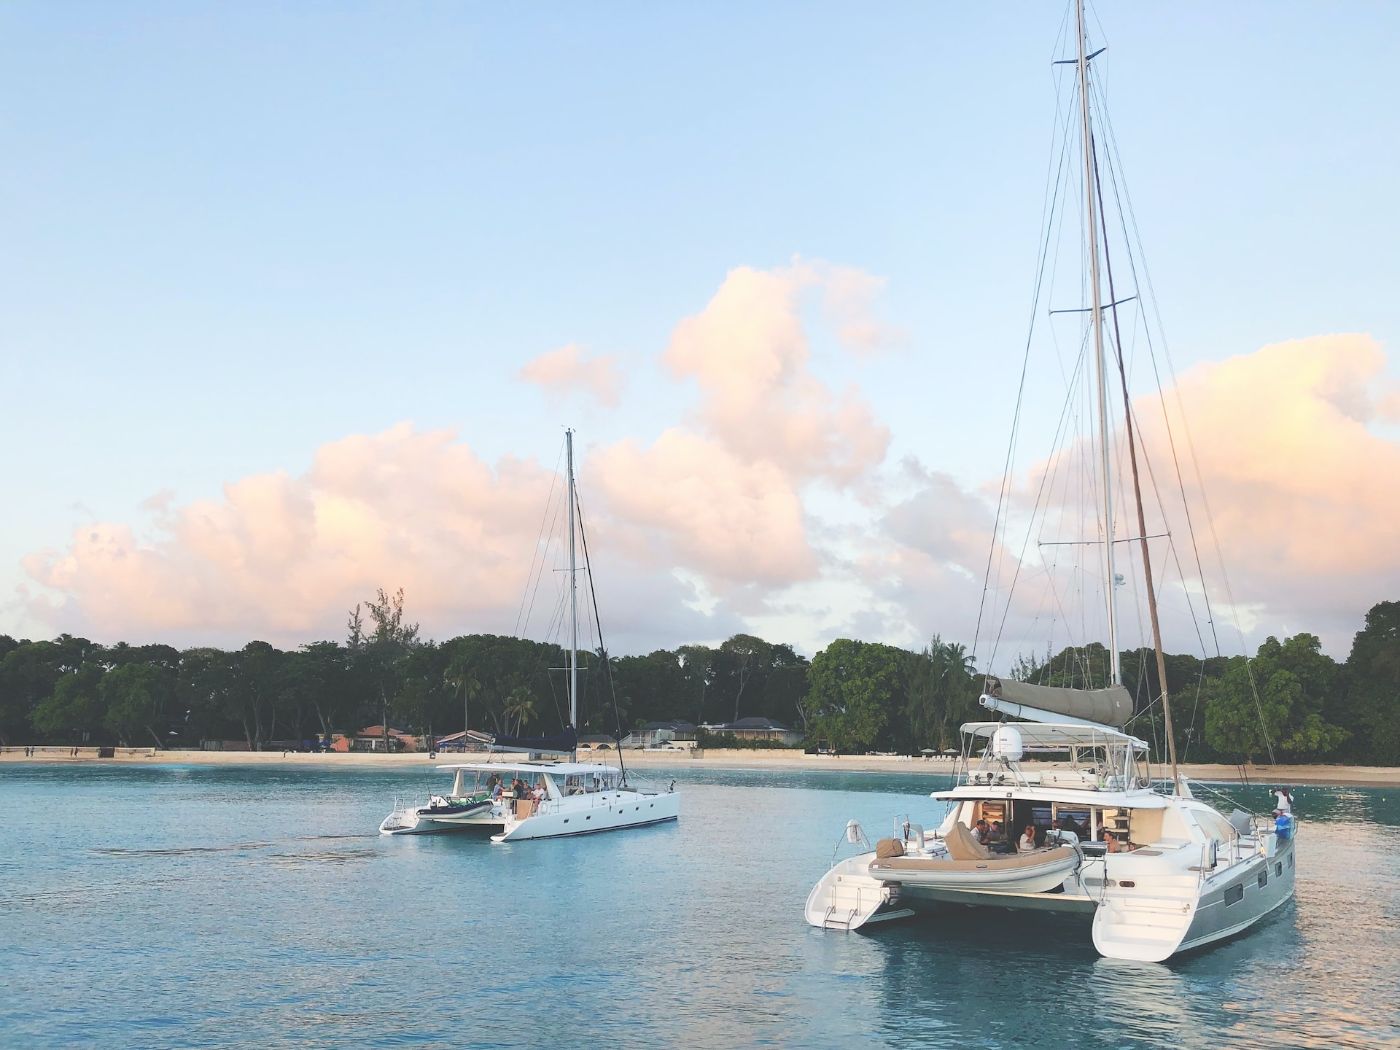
{"points": [[1346, 776]]}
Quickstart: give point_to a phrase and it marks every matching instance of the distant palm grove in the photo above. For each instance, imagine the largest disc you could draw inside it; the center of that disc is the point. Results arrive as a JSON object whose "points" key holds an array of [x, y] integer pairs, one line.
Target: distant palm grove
{"points": [[1290, 702]]}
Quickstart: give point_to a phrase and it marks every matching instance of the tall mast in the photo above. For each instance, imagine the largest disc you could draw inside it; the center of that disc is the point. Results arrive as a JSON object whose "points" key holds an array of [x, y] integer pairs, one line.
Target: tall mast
{"points": [[1137, 499], [573, 592], [1100, 369]]}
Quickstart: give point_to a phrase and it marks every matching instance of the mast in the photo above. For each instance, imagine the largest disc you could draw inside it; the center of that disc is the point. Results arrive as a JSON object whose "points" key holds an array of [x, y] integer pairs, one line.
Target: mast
{"points": [[1137, 498], [573, 592], [1100, 369]]}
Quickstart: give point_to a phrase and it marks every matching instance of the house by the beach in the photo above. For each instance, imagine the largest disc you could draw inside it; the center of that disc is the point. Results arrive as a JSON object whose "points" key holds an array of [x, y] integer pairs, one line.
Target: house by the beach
{"points": [[756, 728], [373, 738], [654, 734]]}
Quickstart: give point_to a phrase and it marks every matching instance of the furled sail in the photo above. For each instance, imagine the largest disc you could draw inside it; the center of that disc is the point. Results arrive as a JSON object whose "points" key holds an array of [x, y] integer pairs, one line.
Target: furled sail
{"points": [[1111, 707], [563, 743]]}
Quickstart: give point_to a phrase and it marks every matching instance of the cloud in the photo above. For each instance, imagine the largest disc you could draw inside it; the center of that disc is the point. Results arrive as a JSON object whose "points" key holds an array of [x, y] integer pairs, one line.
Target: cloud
{"points": [[1301, 484], [566, 370], [706, 520], [749, 352], [692, 503]]}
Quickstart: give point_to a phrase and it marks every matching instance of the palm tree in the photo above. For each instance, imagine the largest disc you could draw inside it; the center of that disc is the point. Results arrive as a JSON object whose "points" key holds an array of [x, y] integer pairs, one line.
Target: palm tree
{"points": [[520, 705], [460, 679]]}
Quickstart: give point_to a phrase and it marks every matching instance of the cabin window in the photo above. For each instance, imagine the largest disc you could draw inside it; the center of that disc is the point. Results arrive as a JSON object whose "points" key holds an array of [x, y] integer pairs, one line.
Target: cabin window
{"points": [[1234, 894], [1263, 878], [1290, 860], [1278, 869]]}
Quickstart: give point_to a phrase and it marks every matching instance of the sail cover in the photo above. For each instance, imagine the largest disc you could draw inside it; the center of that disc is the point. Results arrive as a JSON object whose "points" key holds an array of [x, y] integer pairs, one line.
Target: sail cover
{"points": [[562, 743], [1111, 707]]}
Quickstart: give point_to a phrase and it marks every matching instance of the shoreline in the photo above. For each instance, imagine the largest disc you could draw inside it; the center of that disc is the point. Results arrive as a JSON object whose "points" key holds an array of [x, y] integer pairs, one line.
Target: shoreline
{"points": [[712, 758]]}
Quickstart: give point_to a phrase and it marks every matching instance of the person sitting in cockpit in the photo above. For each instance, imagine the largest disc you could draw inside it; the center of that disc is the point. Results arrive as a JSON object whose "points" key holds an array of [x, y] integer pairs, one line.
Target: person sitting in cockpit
{"points": [[1026, 842]]}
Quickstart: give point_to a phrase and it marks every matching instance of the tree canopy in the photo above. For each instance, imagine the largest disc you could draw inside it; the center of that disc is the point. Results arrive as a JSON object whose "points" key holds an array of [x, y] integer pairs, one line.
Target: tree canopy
{"points": [[1290, 701]]}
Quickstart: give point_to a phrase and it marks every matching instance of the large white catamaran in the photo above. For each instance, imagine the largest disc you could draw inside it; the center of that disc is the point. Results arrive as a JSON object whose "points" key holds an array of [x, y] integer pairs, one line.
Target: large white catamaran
{"points": [[1157, 872], [541, 799]]}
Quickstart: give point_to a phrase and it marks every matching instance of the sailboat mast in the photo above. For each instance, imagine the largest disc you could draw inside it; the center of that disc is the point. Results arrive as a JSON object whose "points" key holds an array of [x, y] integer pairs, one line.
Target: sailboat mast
{"points": [[1100, 368], [573, 591]]}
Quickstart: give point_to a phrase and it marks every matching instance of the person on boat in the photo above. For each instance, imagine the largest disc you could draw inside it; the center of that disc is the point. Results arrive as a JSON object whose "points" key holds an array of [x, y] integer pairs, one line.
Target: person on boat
{"points": [[1026, 842], [1285, 800], [981, 832], [538, 794], [1110, 844]]}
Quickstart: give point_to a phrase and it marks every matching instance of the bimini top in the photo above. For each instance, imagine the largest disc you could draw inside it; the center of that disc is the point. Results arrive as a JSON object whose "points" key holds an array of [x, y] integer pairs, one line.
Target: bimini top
{"points": [[1047, 736], [566, 769]]}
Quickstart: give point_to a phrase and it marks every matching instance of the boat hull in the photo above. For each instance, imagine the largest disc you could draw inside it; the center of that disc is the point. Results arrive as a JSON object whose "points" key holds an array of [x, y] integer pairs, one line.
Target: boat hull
{"points": [[592, 813], [425, 820]]}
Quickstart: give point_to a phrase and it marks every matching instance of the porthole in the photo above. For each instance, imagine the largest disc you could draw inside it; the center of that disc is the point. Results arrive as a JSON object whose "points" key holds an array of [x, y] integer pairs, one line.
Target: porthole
{"points": [[587, 818], [1263, 878], [1278, 869], [1290, 860]]}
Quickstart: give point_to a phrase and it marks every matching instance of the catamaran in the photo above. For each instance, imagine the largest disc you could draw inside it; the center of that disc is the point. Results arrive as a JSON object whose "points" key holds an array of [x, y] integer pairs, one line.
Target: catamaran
{"points": [[1156, 871], [542, 798]]}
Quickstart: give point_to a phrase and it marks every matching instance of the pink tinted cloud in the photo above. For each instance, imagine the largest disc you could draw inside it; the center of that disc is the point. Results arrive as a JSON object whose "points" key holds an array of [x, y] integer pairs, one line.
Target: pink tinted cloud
{"points": [[285, 556], [718, 499], [567, 370], [1301, 484], [749, 352], [696, 505]]}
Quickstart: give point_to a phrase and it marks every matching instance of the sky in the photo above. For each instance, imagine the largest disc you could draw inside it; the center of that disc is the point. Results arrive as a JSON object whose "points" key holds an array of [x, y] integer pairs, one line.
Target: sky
{"points": [[296, 301]]}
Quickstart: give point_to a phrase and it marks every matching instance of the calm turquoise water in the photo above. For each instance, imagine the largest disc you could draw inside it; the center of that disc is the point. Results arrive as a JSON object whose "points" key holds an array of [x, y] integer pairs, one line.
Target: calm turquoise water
{"points": [[197, 906]]}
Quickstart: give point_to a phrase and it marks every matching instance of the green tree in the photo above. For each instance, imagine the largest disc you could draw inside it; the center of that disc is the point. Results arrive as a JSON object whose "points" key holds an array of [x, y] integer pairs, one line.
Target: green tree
{"points": [[1275, 703], [520, 705], [854, 688], [75, 707], [1371, 707], [137, 697]]}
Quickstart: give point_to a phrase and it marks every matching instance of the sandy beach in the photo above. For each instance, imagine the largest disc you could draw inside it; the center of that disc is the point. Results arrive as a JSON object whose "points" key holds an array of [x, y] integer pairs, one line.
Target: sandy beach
{"points": [[1338, 775]]}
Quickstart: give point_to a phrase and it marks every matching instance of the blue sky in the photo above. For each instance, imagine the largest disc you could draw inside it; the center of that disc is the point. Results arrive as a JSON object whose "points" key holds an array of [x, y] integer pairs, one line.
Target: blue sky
{"points": [[235, 233]]}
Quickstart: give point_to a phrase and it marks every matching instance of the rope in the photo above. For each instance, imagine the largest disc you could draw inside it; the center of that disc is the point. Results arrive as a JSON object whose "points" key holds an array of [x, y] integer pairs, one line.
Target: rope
{"points": [[607, 662]]}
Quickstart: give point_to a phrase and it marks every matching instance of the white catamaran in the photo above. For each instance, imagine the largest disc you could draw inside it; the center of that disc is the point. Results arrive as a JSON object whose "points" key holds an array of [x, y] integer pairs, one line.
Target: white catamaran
{"points": [[542, 799], [1083, 830]]}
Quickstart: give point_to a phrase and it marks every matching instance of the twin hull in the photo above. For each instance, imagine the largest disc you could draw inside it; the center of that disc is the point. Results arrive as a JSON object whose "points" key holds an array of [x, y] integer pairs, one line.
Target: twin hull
{"points": [[1137, 920]]}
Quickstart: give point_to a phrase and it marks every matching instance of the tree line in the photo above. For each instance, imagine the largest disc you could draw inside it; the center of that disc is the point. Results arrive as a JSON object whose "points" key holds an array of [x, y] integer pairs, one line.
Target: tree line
{"points": [[1290, 702]]}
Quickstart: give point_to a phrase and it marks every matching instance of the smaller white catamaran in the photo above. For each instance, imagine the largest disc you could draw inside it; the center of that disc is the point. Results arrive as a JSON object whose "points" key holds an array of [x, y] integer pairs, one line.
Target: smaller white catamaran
{"points": [[542, 799]]}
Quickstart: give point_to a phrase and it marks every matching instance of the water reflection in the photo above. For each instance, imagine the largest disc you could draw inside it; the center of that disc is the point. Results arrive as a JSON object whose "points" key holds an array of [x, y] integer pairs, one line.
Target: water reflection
{"points": [[212, 906]]}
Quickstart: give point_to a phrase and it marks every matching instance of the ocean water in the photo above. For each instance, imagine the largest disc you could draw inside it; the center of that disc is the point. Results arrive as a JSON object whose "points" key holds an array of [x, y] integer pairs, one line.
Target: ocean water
{"points": [[215, 906]]}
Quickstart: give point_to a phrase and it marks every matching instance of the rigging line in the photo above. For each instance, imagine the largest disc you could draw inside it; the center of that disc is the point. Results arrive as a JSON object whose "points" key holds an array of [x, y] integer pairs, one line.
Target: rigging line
{"points": [[1047, 209], [536, 552], [1040, 492], [1200, 483], [1169, 731], [1195, 709], [607, 662], [1127, 214], [540, 579], [1113, 162]]}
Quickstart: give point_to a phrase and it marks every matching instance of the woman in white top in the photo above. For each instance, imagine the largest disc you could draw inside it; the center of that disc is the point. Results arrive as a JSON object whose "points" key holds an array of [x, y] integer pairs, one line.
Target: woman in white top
{"points": [[1285, 800], [1026, 842]]}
